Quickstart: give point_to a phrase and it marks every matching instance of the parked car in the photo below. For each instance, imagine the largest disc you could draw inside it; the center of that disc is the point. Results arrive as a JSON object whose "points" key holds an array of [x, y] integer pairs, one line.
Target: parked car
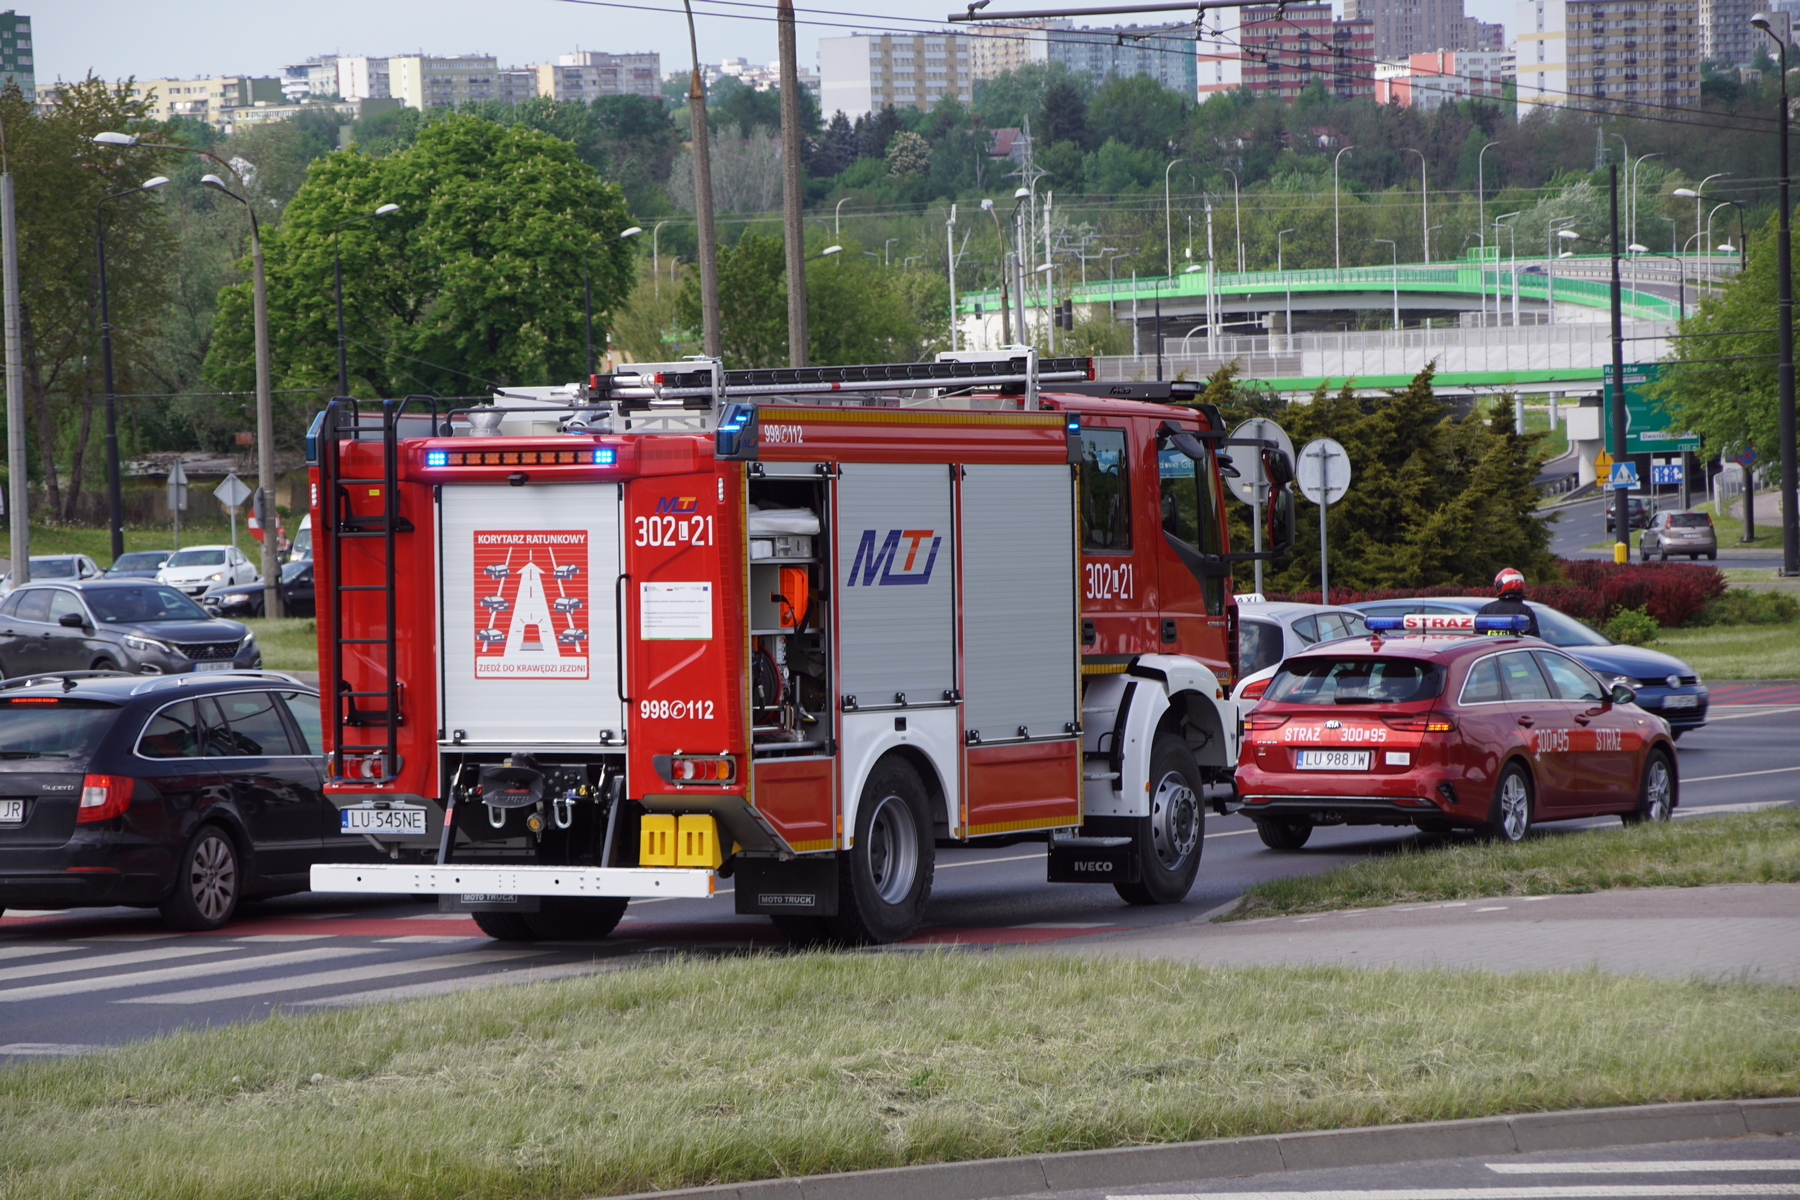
{"points": [[1664, 684], [198, 569], [56, 566], [1689, 533], [249, 599], [1442, 731], [1269, 632], [1637, 513], [186, 794], [117, 624], [139, 564]]}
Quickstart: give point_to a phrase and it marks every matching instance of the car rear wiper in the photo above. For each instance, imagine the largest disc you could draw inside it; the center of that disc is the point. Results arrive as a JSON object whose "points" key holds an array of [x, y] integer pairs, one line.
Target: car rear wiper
{"points": [[36, 754], [1356, 700]]}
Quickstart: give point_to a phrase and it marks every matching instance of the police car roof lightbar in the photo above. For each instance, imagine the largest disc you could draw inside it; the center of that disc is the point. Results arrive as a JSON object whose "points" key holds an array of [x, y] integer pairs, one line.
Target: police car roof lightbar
{"points": [[680, 380], [1447, 623]]}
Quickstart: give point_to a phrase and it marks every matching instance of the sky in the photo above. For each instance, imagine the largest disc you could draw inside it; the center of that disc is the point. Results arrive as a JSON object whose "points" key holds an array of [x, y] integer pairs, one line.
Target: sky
{"points": [[184, 38]]}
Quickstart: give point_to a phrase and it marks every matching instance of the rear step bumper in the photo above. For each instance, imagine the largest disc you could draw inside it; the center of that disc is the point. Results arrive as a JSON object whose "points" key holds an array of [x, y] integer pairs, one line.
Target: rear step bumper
{"points": [[691, 883]]}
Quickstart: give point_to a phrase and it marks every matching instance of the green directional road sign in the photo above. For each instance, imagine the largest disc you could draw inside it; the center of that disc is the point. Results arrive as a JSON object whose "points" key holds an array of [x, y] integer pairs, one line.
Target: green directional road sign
{"points": [[1646, 426]]}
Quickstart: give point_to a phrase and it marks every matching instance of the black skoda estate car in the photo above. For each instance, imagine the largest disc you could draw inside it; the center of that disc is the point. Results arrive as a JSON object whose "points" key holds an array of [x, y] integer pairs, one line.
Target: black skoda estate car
{"points": [[185, 793]]}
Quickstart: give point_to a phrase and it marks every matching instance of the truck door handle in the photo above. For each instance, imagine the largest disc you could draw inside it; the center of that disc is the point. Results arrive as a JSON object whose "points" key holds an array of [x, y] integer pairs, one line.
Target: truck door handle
{"points": [[619, 636], [1527, 721]]}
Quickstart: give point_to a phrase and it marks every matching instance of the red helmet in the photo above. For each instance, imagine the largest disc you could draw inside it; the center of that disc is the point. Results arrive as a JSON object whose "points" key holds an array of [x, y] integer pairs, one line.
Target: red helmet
{"points": [[1509, 580]]}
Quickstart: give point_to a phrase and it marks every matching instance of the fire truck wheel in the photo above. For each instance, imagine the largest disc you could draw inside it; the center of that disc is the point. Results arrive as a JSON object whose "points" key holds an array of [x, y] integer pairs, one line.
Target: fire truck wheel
{"points": [[886, 875], [1169, 839], [504, 926], [568, 919]]}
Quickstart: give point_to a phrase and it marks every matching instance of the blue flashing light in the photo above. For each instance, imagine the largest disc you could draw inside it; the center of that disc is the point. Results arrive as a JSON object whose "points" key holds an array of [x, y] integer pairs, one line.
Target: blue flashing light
{"points": [[605, 456], [1383, 624], [1072, 424], [1447, 623], [437, 458], [1517, 624]]}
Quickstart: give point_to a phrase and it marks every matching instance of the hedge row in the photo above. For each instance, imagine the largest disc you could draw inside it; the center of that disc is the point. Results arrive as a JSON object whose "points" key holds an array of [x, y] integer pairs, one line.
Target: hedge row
{"points": [[1672, 593]]}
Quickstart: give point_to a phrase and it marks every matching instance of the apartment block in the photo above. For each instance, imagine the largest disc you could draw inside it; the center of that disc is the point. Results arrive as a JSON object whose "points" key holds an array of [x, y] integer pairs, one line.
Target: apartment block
{"points": [[1726, 34], [994, 49], [205, 99], [1219, 53], [1427, 81], [589, 74], [1482, 35], [316, 77], [361, 77], [1119, 52], [236, 120], [865, 72], [430, 81], [1633, 50], [1407, 27], [16, 54], [1541, 51], [1288, 49]]}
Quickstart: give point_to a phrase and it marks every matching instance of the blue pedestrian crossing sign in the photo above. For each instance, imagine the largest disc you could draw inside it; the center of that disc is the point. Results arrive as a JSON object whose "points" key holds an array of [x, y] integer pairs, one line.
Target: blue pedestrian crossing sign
{"points": [[1624, 475]]}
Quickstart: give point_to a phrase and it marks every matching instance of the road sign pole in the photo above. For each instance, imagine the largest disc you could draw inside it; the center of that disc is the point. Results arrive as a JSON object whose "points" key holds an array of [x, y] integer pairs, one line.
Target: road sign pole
{"points": [[1256, 507], [1324, 571]]}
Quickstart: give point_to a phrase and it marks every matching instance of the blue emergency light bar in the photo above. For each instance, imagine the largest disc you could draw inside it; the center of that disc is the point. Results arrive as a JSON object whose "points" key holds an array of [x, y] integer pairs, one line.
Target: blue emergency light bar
{"points": [[1447, 623], [605, 456], [437, 458]]}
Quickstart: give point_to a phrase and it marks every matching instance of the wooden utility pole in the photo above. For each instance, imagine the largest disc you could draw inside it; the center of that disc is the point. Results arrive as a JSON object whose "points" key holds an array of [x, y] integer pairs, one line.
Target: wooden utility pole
{"points": [[703, 200], [793, 186]]}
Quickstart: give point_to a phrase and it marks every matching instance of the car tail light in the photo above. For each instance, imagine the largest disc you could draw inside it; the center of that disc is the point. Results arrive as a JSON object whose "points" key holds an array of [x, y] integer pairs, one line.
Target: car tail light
{"points": [[104, 797], [1254, 691], [686, 768], [1436, 722], [1257, 721]]}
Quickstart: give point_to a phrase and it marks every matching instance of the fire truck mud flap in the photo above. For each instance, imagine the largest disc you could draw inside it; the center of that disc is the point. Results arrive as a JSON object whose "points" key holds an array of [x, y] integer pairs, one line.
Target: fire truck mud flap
{"points": [[483, 880]]}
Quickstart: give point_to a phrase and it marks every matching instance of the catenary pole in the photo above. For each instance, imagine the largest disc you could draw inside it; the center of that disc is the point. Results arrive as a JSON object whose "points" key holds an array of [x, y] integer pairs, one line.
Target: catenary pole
{"points": [[793, 186]]}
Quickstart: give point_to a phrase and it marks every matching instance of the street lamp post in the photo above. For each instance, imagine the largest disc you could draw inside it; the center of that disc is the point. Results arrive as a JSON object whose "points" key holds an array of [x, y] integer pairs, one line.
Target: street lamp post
{"points": [[1287, 327], [1237, 218], [1157, 287], [1784, 326], [837, 217], [115, 502], [1512, 269], [827, 252], [1552, 231], [656, 261], [1394, 250], [987, 206], [1168, 227], [337, 288], [1337, 228], [587, 293], [1696, 194], [1742, 249], [1424, 208], [1631, 188], [1481, 221]]}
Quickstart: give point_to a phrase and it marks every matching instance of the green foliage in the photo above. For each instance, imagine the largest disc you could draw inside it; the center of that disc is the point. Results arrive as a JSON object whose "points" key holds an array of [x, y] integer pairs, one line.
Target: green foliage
{"points": [[1065, 115], [1749, 606], [1631, 627], [1140, 112], [1433, 500], [908, 155], [475, 282], [1006, 100]]}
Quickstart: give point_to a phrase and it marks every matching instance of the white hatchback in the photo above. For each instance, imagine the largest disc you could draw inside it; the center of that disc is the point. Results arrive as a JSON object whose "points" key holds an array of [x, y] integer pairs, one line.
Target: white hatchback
{"points": [[197, 569]]}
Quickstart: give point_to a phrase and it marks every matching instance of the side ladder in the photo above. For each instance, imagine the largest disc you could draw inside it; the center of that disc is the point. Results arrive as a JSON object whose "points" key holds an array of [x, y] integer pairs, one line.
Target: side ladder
{"points": [[361, 729]]}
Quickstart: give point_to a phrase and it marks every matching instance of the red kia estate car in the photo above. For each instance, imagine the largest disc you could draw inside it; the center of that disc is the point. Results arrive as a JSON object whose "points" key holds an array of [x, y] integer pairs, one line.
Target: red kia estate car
{"points": [[1435, 721]]}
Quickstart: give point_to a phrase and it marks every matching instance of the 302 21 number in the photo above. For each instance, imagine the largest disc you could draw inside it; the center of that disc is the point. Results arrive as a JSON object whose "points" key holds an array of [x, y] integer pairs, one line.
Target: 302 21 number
{"points": [[673, 531]]}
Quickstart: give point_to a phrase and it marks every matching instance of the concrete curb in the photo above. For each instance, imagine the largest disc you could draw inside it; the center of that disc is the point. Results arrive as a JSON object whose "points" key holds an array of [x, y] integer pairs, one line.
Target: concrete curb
{"points": [[1581, 1129]]}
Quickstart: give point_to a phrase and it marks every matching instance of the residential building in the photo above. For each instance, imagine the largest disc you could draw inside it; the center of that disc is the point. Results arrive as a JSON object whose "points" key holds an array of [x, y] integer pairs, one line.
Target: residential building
{"points": [[1541, 51], [1726, 34], [1482, 35], [205, 99], [994, 49], [236, 120], [1426, 81], [432, 81], [1647, 51], [316, 77], [1287, 49], [515, 84], [589, 74], [360, 77], [865, 72], [1119, 52], [49, 95], [1219, 54], [1406, 27], [16, 54]]}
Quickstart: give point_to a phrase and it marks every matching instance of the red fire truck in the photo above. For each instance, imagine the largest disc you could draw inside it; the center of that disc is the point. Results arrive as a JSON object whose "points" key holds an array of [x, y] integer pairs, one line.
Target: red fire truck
{"points": [[797, 629]]}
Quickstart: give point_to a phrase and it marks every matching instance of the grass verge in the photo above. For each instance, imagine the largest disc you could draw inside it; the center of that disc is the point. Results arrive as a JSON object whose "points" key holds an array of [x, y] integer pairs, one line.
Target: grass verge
{"points": [[1761, 847], [288, 643], [97, 543], [1735, 651], [697, 1072]]}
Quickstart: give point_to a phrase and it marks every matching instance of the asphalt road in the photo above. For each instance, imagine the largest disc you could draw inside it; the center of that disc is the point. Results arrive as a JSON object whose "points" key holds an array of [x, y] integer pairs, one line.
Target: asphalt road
{"points": [[1578, 525], [70, 982], [1755, 1166]]}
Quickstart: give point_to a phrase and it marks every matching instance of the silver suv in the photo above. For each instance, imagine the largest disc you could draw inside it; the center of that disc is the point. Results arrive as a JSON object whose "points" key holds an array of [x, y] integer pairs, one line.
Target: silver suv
{"points": [[1689, 533]]}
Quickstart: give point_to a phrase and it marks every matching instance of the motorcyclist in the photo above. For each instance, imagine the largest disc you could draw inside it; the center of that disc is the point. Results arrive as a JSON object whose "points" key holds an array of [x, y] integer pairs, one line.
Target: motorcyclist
{"points": [[1511, 586]]}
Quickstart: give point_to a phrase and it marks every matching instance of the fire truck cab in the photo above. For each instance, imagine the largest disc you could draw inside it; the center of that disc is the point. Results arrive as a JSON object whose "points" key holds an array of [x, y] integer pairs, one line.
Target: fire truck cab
{"points": [[797, 629]]}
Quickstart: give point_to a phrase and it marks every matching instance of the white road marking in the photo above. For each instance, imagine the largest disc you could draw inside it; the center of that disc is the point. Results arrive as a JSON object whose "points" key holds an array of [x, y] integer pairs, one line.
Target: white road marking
{"points": [[126, 937], [1718, 809], [982, 862], [1756, 710], [1740, 775], [1493, 908], [7, 952], [1597, 1191], [296, 983], [48, 1049], [103, 962], [1066, 925], [283, 937], [115, 982], [421, 938], [1696, 1166]]}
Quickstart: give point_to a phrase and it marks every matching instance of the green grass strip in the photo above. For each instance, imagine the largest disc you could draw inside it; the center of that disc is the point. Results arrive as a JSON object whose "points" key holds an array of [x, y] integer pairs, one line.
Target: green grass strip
{"points": [[1735, 651], [1761, 847], [737, 1069]]}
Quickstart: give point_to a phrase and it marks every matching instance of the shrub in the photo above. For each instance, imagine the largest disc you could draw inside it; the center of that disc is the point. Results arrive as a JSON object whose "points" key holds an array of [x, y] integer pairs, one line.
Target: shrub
{"points": [[1747, 606], [1631, 627]]}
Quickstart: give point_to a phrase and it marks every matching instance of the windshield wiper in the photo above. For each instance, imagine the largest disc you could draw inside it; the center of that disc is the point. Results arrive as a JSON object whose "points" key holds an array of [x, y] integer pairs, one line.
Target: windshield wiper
{"points": [[1356, 700], [36, 754]]}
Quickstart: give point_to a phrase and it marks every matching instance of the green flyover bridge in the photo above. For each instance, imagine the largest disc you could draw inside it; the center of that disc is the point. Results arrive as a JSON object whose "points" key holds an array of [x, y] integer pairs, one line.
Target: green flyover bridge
{"points": [[1530, 325]]}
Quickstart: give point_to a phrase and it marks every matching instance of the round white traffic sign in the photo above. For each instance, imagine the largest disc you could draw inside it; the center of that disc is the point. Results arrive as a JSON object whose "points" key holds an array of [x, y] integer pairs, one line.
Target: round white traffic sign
{"points": [[1323, 471], [1248, 460]]}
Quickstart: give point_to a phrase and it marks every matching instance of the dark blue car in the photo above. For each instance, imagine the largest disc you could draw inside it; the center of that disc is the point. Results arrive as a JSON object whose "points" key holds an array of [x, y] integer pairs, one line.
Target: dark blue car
{"points": [[1664, 684]]}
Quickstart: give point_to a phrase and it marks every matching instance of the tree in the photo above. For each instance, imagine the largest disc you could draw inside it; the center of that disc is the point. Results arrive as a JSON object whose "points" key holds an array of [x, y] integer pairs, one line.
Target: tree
{"points": [[1140, 112], [908, 155], [874, 131], [1006, 100], [1064, 117], [475, 282], [837, 149]]}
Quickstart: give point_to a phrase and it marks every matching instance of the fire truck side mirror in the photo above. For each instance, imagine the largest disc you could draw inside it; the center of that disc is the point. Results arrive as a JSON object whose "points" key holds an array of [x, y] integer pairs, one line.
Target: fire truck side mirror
{"points": [[1278, 468], [1278, 520], [736, 436]]}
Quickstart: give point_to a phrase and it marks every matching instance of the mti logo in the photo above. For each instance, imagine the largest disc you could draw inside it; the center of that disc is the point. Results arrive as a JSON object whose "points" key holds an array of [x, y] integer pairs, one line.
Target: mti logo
{"points": [[898, 561], [678, 504]]}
